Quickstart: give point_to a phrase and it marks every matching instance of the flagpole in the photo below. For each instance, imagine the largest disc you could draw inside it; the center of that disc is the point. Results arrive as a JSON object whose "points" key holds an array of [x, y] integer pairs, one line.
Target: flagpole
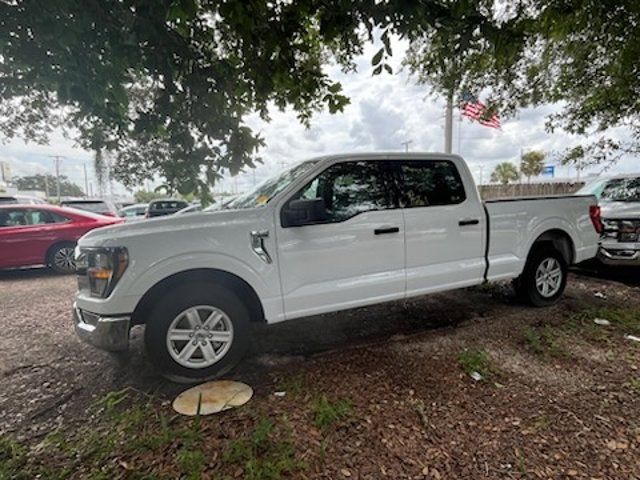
{"points": [[448, 125]]}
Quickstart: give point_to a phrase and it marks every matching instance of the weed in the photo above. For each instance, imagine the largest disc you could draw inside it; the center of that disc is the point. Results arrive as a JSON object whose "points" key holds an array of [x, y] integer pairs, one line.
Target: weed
{"points": [[544, 341], [326, 412], [294, 385], [13, 457], [263, 457], [634, 384], [625, 319], [192, 462], [474, 360], [542, 422]]}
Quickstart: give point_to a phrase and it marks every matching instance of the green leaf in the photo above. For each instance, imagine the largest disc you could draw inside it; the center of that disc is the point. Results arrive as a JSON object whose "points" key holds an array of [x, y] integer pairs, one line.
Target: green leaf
{"points": [[377, 70]]}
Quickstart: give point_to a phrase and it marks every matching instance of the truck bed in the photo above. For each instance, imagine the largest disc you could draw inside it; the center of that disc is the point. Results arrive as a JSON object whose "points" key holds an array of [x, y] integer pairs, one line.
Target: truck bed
{"points": [[515, 223]]}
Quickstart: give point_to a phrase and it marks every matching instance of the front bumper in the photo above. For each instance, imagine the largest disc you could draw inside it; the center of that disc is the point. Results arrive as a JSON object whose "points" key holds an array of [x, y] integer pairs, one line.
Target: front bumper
{"points": [[106, 333], [619, 256]]}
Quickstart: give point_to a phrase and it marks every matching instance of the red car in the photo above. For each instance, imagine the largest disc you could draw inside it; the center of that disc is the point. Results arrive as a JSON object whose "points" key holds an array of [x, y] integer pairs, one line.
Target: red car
{"points": [[44, 235]]}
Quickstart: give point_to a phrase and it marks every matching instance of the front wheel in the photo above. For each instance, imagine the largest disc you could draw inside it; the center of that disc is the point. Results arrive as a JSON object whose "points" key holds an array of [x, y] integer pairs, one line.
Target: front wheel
{"points": [[544, 278], [197, 332]]}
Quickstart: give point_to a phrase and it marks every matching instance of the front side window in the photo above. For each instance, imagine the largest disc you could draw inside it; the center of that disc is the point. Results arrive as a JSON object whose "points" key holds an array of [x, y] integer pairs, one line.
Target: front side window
{"points": [[430, 183], [351, 188]]}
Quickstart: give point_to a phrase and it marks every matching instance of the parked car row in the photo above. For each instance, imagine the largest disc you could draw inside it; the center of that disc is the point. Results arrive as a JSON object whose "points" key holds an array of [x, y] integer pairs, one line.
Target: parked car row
{"points": [[41, 234]]}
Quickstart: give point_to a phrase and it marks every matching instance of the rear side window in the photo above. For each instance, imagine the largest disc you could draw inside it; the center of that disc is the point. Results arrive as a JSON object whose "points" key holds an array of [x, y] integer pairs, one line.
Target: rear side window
{"points": [[430, 183]]}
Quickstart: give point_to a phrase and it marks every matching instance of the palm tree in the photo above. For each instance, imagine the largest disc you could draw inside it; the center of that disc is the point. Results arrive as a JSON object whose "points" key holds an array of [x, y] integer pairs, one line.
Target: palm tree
{"points": [[504, 173], [532, 164]]}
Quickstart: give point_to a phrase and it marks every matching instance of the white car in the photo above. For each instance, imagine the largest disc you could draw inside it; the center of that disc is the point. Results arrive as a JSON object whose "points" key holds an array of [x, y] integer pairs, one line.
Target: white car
{"points": [[327, 234], [619, 199]]}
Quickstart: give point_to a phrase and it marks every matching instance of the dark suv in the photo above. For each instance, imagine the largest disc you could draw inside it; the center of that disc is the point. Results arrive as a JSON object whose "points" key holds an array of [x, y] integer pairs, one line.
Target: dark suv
{"points": [[167, 206]]}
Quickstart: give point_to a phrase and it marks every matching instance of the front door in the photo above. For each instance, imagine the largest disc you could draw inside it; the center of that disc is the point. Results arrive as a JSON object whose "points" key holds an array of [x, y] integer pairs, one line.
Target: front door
{"points": [[356, 256]]}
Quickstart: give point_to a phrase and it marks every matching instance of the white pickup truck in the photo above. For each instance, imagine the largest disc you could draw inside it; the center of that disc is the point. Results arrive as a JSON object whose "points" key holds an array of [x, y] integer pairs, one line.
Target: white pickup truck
{"points": [[327, 234]]}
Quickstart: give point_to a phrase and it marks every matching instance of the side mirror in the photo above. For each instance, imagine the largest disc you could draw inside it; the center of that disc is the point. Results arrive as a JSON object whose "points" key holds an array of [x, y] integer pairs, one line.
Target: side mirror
{"points": [[297, 213]]}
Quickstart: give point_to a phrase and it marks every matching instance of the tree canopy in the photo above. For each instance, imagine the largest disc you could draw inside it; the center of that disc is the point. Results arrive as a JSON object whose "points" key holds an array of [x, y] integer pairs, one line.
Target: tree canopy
{"points": [[582, 55], [505, 173], [532, 163], [165, 86], [39, 182]]}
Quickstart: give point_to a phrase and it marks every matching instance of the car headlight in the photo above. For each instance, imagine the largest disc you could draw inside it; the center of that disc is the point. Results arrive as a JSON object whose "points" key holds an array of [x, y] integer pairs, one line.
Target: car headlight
{"points": [[99, 269]]}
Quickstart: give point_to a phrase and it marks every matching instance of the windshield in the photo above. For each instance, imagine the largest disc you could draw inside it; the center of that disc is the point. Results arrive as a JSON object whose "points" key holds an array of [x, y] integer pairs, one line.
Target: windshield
{"points": [[616, 190], [268, 189]]}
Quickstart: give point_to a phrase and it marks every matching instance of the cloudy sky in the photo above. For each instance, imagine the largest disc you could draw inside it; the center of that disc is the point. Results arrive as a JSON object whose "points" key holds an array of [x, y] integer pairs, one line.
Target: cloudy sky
{"points": [[385, 111]]}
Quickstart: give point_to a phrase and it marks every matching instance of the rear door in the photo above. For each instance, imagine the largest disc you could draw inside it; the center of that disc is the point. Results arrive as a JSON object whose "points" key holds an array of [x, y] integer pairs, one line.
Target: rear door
{"points": [[444, 226], [354, 258]]}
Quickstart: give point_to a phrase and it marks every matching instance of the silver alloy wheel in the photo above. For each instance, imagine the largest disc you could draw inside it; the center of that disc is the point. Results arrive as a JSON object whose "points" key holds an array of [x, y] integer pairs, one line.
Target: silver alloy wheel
{"points": [[548, 277], [64, 259], [199, 336]]}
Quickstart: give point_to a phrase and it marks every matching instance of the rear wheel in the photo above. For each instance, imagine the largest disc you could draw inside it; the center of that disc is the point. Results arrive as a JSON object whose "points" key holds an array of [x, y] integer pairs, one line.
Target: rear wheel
{"points": [[61, 258], [197, 332], [544, 278]]}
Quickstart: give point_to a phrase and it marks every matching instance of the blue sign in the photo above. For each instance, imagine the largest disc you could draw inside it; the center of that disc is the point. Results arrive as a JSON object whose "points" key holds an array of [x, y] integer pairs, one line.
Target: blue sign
{"points": [[549, 171]]}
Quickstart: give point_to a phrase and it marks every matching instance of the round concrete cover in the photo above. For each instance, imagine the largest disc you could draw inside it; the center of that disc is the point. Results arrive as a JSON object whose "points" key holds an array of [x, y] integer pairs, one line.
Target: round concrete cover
{"points": [[214, 397]]}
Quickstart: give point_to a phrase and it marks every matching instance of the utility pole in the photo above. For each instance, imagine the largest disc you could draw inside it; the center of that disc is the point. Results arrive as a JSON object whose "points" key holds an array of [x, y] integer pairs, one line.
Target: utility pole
{"points": [[46, 184], [406, 145], [56, 161], [448, 125], [86, 181]]}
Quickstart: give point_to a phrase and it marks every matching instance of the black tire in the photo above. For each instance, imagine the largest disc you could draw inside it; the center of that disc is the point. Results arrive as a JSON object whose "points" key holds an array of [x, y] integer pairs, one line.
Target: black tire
{"points": [[171, 305], [57, 258], [525, 285]]}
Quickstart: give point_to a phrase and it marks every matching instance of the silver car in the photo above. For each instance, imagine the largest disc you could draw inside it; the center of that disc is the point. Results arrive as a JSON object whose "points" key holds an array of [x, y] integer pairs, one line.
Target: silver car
{"points": [[619, 200]]}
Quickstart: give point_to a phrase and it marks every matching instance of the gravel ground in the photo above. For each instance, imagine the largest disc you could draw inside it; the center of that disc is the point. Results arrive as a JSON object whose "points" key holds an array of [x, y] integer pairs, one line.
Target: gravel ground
{"points": [[554, 403]]}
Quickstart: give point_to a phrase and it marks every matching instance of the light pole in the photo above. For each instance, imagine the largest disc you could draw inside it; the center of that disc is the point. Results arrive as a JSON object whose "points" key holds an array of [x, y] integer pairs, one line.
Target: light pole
{"points": [[406, 145]]}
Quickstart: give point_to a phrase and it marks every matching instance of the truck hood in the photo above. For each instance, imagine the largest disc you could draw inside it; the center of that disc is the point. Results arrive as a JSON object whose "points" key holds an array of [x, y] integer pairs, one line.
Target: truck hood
{"points": [[118, 235], [622, 210]]}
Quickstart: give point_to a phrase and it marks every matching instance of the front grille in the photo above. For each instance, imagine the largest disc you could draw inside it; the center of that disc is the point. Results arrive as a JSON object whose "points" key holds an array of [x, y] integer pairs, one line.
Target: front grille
{"points": [[624, 231]]}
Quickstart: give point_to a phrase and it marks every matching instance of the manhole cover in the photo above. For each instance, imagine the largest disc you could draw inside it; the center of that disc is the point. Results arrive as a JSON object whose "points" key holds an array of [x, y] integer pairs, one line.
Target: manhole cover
{"points": [[214, 397]]}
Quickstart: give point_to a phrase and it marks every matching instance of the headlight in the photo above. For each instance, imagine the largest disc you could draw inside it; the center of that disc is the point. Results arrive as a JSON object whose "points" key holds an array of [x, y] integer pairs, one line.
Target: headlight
{"points": [[99, 269]]}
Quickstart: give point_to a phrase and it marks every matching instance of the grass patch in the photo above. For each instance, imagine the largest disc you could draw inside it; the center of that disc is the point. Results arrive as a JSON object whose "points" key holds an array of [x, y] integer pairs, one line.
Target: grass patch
{"points": [[191, 461], [293, 385], [326, 412], [13, 458], [262, 456], [625, 320], [544, 341], [475, 360]]}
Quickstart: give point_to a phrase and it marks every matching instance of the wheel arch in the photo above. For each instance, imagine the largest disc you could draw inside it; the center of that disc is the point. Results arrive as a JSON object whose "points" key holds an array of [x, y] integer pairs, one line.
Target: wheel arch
{"points": [[57, 243], [234, 282], [560, 240]]}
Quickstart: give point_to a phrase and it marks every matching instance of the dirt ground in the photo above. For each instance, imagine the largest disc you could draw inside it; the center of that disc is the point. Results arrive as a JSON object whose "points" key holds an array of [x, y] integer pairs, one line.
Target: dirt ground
{"points": [[380, 392]]}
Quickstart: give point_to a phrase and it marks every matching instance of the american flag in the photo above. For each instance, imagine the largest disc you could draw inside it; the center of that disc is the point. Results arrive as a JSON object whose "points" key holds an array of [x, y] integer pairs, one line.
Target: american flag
{"points": [[474, 109]]}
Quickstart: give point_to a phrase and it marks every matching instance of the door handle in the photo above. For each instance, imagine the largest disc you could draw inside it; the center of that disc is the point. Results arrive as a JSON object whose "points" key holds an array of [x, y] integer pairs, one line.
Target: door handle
{"points": [[384, 230], [469, 221]]}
